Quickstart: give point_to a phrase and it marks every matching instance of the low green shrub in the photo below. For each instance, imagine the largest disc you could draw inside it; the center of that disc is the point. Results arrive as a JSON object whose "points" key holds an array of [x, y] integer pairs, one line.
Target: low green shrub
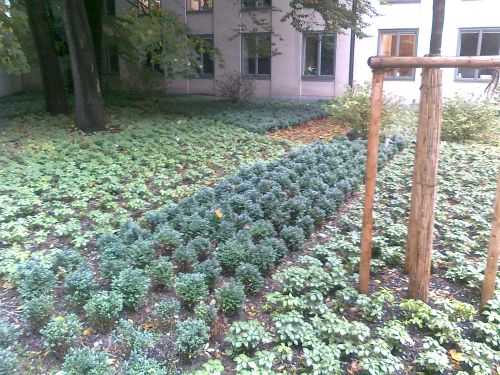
{"points": [[132, 339], [250, 277], [142, 365], [8, 361], [61, 332], [8, 333], [167, 311], [205, 312], [201, 246], [161, 272], [167, 239], [38, 310], [185, 258], [192, 335], [433, 358], [86, 361], [66, 260], [293, 237], [191, 288], [246, 336], [103, 308], [80, 284], [210, 269], [230, 298], [133, 285], [395, 334], [35, 278], [230, 254], [469, 119], [142, 252]]}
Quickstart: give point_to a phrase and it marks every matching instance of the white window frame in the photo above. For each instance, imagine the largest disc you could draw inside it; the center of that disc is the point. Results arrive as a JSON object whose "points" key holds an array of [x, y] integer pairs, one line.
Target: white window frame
{"points": [[319, 36]]}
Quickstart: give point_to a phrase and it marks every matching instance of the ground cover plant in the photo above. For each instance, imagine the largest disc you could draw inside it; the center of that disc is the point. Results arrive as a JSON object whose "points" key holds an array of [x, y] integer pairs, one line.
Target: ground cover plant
{"points": [[60, 187], [224, 240], [316, 322]]}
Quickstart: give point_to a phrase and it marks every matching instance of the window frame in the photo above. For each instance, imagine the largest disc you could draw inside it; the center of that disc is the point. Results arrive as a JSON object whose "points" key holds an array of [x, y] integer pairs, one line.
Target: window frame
{"points": [[257, 75], [318, 77], [398, 33], [206, 75], [480, 30], [209, 10], [254, 7]]}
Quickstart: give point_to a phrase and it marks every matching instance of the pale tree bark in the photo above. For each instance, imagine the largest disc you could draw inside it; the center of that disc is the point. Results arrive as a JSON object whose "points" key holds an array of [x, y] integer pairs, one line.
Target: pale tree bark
{"points": [[50, 70], [89, 107]]}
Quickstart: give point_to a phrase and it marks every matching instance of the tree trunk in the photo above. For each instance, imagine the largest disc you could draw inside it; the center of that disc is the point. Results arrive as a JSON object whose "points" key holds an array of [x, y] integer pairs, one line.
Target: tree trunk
{"points": [[53, 84], [94, 10], [89, 108], [437, 27]]}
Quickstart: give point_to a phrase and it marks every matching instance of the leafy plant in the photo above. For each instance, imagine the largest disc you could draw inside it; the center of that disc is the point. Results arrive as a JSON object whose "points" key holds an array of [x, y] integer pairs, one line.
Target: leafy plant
{"points": [[8, 333], [192, 335], [210, 269], [205, 312], [233, 86], [246, 336], [185, 258], [433, 357], [161, 272], [230, 297], [133, 286], [166, 311], [86, 361], [35, 278], [61, 333], [191, 288], [250, 277], [80, 284], [132, 339], [395, 335], [103, 309], [38, 310], [8, 361], [139, 364]]}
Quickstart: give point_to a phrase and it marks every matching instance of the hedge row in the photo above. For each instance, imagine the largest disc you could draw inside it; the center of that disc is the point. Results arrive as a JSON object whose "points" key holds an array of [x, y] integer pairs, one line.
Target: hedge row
{"points": [[252, 218]]}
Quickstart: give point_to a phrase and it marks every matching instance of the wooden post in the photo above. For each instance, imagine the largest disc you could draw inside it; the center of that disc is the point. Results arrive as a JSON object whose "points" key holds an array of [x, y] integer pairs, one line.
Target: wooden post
{"points": [[490, 273], [423, 195], [371, 175]]}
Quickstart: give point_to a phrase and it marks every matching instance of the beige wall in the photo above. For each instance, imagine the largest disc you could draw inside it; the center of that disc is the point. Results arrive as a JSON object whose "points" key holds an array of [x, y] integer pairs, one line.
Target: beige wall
{"points": [[9, 84], [459, 14]]}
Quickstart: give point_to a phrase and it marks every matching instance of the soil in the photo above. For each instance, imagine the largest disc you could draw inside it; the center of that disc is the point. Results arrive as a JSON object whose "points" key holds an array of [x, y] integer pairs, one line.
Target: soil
{"points": [[311, 131]]}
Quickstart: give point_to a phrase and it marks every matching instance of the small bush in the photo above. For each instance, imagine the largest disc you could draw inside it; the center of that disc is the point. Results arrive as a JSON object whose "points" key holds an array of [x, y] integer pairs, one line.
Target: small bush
{"points": [[80, 284], [234, 87], [142, 252], [8, 361], [210, 269], [185, 258], [131, 338], [192, 335], [167, 311], [66, 260], [205, 312], [133, 285], [293, 237], [161, 272], [8, 334], [103, 309], [247, 336], [230, 254], [262, 256], [167, 239], [35, 279], [353, 110], [61, 332], [191, 288], [262, 229], [142, 365], [230, 298], [38, 310], [201, 246], [85, 361], [250, 277], [469, 119]]}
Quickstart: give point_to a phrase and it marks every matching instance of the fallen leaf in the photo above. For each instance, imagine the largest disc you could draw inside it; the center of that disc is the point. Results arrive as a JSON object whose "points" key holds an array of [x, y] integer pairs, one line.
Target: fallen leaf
{"points": [[87, 331], [218, 213], [457, 356]]}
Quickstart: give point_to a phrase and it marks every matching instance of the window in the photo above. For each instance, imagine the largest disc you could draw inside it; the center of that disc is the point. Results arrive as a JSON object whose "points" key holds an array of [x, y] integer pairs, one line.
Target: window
{"points": [[110, 61], [319, 55], [477, 42], [199, 5], [110, 7], [145, 4], [205, 63], [398, 43], [256, 54], [255, 3]]}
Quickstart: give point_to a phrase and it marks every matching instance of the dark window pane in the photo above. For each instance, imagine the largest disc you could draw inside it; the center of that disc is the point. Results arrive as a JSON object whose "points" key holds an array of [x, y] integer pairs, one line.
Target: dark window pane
{"points": [[114, 64], [311, 56], [249, 54], [490, 45], [110, 7], [468, 47], [264, 54], [327, 51]]}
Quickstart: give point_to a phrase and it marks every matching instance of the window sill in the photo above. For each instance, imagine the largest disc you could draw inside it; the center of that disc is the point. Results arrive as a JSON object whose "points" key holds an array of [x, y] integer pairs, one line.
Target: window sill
{"points": [[472, 80], [203, 11], [253, 9], [257, 77], [318, 78]]}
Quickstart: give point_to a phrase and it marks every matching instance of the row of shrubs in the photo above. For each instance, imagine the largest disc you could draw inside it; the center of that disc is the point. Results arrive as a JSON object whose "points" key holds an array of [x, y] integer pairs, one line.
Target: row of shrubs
{"points": [[225, 238]]}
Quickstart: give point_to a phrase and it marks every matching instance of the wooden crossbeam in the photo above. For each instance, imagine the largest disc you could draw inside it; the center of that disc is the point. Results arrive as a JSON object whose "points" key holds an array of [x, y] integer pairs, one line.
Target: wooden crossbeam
{"points": [[390, 62]]}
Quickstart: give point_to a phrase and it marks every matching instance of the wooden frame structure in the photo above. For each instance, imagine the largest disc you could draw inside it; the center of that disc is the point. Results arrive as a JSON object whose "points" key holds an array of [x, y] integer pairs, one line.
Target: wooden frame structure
{"points": [[421, 221]]}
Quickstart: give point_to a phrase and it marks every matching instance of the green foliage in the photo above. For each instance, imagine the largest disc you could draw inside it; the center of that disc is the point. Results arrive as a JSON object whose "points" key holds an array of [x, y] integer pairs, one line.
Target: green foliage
{"points": [[61, 333], [233, 86], [395, 335], [205, 312], [433, 358], [79, 285], [469, 119], [38, 310], [8, 361], [353, 110], [35, 278], [13, 23], [247, 336], [201, 246], [212, 367], [103, 308], [323, 359], [166, 311], [376, 358], [191, 288], [250, 277], [230, 298], [168, 239], [133, 286], [140, 365], [8, 334], [161, 272], [86, 361], [293, 236], [132, 339], [192, 335], [210, 269], [231, 254], [185, 258], [66, 260]]}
